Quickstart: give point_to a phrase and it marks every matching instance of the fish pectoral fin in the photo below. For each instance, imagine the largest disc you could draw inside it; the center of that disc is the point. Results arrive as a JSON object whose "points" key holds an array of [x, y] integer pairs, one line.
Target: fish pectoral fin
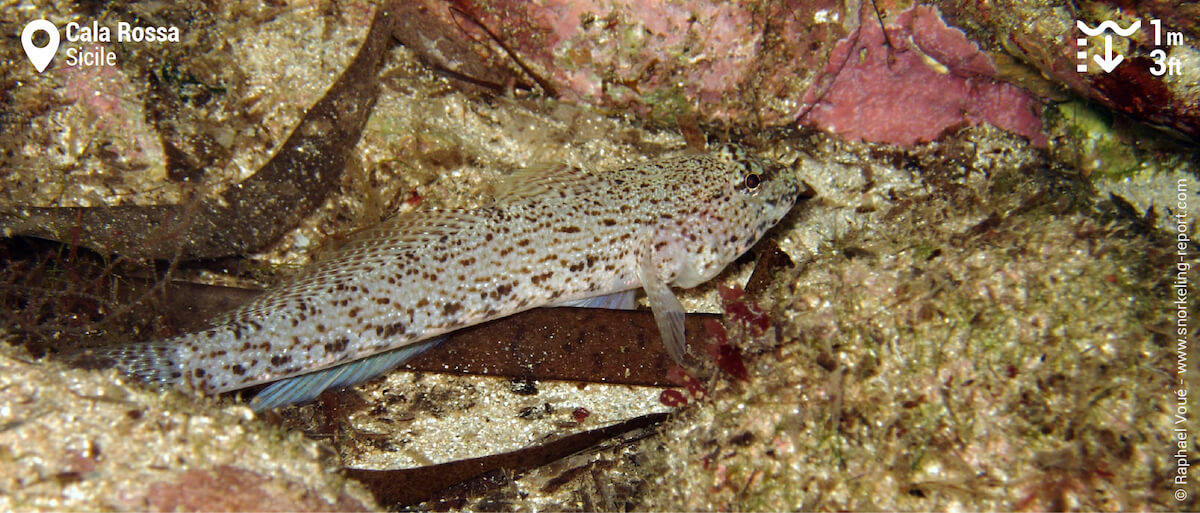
{"points": [[668, 313], [615, 301], [306, 387]]}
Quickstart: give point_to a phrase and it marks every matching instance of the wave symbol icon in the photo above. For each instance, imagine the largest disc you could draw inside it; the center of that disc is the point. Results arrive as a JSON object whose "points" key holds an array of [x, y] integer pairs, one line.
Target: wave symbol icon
{"points": [[1108, 25]]}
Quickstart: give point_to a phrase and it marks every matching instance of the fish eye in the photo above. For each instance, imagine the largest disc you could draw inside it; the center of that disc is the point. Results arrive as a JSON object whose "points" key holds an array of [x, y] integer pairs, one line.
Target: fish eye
{"points": [[752, 181]]}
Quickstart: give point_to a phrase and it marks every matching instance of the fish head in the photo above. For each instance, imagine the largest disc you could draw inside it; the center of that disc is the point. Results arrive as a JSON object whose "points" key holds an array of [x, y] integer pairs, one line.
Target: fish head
{"points": [[740, 198]]}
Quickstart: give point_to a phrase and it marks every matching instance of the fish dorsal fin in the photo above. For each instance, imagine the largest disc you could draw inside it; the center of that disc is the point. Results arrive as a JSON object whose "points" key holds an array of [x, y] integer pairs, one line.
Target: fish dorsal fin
{"points": [[536, 181], [416, 227]]}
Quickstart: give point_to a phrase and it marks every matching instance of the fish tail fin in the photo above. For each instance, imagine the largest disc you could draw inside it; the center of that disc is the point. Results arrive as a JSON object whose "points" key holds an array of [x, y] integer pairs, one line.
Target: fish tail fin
{"points": [[153, 362], [307, 387]]}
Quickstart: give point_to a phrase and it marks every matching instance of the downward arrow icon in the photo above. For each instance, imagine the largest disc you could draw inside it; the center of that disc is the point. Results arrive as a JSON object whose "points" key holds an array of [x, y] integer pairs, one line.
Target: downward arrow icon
{"points": [[1109, 61]]}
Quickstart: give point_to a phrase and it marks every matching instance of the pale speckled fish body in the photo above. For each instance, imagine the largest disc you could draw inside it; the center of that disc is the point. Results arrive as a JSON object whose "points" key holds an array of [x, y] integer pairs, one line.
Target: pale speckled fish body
{"points": [[551, 237]]}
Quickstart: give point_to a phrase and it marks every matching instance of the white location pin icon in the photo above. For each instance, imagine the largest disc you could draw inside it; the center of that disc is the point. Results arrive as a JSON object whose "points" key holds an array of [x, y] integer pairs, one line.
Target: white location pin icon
{"points": [[40, 57]]}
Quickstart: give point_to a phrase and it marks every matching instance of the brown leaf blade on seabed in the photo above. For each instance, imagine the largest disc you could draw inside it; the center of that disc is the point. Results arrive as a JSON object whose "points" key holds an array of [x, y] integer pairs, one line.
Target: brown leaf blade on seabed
{"points": [[575, 344], [257, 211], [408, 486]]}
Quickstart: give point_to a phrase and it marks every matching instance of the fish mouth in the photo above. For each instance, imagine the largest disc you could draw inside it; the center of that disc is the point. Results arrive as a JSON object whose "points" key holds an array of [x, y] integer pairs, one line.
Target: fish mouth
{"points": [[801, 191], [794, 192], [779, 207]]}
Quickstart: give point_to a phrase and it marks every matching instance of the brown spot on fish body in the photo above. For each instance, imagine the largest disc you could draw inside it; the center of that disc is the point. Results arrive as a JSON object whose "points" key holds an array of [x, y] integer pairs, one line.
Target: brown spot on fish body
{"points": [[337, 346], [390, 330], [501, 291]]}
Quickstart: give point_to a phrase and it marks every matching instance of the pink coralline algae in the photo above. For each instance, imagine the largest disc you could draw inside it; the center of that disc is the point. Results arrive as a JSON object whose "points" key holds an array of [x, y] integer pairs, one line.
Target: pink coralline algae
{"points": [[672, 398], [931, 81], [680, 377], [616, 52], [759, 64], [727, 356], [748, 314]]}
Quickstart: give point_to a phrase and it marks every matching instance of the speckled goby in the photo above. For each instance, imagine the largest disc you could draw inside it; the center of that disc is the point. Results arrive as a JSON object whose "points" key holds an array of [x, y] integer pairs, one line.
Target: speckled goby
{"points": [[552, 237]]}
